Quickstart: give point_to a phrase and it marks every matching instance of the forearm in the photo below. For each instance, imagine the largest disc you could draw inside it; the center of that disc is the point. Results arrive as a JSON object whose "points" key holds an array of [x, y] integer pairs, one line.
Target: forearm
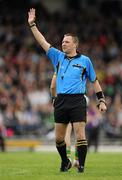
{"points": [[97, 87], [53, 92], [53, 86], [99, 92], [40, 38]]}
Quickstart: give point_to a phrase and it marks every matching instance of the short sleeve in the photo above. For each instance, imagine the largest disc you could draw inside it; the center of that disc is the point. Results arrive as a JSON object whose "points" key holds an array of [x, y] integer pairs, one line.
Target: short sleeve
{"points": [[53, 54], [91, 72]]}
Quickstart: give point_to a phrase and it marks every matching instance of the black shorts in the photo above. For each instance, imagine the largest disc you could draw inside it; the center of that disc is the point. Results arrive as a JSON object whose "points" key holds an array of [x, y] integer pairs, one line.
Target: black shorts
{"points": [[70, 108]]}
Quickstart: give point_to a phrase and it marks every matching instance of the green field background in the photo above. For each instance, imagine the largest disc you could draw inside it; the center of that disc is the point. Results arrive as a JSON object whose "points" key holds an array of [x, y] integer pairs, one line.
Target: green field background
{"points": [[45, 166]]}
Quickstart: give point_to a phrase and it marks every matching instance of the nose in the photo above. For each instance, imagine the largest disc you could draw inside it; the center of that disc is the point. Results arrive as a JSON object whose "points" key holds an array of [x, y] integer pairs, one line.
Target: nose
{"points": [[63, 44]]}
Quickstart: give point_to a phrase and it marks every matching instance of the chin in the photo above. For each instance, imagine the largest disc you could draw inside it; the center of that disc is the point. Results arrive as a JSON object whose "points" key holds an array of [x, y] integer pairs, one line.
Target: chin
{"points": [[65, 51]]}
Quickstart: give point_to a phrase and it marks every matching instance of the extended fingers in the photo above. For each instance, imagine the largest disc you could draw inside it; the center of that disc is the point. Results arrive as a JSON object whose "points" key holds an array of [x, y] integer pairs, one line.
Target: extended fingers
{"points": [[32, 11]]}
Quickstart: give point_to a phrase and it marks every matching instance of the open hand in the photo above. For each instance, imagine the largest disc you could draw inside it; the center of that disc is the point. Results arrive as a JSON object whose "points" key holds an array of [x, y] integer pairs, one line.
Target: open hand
{"points": [[31, 16]]}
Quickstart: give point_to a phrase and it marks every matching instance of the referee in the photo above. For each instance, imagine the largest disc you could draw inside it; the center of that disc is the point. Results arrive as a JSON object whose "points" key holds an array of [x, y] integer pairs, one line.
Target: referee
{"points": [[73, 70]]}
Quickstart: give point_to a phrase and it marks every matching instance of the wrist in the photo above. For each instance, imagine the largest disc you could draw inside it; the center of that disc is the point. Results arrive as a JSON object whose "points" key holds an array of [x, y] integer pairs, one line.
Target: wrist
{"points": [[100, 95], [32, 24], [101, 98], [102, 101], [53, 98]]}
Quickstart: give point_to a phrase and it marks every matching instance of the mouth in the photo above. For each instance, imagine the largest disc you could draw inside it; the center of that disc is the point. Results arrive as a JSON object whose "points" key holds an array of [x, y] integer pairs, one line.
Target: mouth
{"points": [[64, 47]]}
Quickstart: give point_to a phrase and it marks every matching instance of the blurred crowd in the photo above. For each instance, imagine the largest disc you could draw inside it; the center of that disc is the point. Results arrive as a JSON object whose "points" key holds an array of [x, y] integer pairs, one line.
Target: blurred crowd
{"points": [[25, 71]]}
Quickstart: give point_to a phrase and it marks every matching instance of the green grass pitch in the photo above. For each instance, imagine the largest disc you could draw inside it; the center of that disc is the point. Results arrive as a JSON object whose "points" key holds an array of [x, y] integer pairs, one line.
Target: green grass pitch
{"points": [[45, 166]]}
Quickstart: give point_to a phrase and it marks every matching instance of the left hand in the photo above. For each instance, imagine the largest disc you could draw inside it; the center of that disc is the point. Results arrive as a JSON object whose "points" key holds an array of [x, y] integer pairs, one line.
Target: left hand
{"points": [[102, 107]]}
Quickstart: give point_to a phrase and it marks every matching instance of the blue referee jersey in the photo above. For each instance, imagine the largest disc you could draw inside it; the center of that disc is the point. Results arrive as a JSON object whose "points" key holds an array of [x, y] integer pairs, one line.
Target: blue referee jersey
{"points": [[72, 73]]}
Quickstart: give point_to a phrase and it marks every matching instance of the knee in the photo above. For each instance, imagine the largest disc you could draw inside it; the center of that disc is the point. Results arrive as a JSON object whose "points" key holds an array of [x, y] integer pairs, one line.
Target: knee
{"points": [[80, 133], [59, 139], [80, 136]]}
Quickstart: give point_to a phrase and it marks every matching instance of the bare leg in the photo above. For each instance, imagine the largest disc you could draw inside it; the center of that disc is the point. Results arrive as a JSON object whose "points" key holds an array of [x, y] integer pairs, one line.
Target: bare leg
{"points": [[68, 140]]}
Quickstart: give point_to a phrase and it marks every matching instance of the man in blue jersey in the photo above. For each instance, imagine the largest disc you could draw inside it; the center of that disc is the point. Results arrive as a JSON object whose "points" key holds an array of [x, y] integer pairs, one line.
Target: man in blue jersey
{"points": [[72, 71]]}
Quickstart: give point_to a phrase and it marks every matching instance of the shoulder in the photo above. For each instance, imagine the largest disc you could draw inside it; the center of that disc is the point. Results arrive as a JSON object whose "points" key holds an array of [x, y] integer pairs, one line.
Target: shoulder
{"points": [[85, 59], [54, 50]]}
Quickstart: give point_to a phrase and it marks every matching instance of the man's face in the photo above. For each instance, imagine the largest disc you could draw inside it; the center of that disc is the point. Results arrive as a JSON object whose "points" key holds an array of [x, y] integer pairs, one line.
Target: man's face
{"points": [[68, 44]]}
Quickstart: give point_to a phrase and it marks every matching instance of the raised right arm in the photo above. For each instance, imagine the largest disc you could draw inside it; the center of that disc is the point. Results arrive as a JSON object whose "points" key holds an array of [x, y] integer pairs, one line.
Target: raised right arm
{"points": [[37, 34]]}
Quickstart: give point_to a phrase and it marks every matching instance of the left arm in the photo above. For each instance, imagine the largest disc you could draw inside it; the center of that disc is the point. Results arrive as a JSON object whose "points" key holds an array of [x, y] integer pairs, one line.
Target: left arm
{"points": [[98, 90]]}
